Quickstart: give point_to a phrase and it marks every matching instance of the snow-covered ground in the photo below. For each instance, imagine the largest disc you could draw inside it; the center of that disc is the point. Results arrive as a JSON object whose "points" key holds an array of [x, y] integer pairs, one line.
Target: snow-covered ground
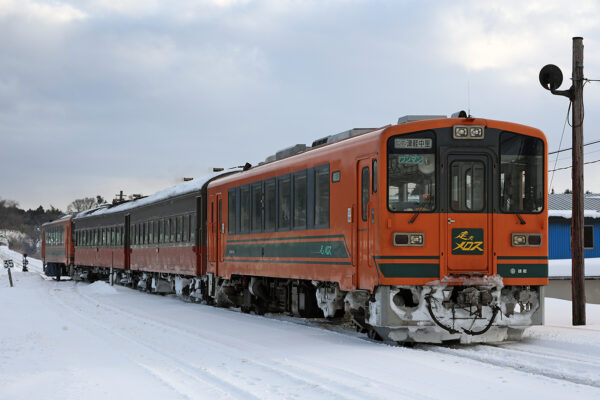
{"points": [[562, 268], [68, 340]]}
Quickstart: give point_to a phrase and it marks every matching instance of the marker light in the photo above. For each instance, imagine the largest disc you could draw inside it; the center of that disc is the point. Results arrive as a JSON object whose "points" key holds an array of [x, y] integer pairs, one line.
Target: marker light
{"points": [[526, 239], [409, 239]]}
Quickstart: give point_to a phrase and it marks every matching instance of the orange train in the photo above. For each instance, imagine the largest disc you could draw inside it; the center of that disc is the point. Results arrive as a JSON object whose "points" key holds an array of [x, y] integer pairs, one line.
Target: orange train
{"points": [[431, 230]]}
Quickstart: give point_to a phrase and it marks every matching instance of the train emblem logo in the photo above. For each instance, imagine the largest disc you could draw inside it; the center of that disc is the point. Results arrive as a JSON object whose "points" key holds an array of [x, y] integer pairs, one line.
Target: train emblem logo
{"points": [[467, 241]]}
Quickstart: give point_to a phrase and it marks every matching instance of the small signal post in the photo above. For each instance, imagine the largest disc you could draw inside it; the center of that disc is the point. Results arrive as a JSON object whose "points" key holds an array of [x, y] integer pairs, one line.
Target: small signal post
{"points": [[8, 264]]}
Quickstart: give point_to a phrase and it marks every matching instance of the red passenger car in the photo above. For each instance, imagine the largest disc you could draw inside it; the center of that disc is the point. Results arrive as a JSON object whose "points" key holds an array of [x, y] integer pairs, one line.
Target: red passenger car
{"points": [[58, 250], [100, 241]]}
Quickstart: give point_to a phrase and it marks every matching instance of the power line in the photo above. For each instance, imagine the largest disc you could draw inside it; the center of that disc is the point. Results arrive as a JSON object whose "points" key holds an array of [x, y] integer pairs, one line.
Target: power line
{"points": [[585, 144], [589, 162]]}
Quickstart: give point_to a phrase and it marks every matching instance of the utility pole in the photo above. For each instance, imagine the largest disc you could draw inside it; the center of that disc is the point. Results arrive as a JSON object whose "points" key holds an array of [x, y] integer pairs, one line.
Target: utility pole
{"points": [[551, 79], [578, 259]]}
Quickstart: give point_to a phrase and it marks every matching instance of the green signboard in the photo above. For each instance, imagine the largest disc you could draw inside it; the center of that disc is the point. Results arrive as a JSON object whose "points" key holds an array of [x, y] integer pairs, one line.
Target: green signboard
{"points": [[467, 241]]}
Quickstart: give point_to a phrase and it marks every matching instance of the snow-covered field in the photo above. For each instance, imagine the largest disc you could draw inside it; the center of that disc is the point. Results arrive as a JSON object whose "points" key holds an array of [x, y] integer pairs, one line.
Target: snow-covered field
{"points": [[68, 340]]}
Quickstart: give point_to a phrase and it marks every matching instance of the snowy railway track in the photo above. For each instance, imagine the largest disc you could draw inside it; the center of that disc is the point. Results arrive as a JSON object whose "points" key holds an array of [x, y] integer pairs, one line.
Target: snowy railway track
{"points": [[344, 383], [131, 346], [538, 360], [535, 360]]}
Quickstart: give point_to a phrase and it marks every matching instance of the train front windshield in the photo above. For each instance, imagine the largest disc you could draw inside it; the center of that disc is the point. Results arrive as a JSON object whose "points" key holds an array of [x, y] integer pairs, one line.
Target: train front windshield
{"points": [[411, 172], [521, 173], [412, 175]]}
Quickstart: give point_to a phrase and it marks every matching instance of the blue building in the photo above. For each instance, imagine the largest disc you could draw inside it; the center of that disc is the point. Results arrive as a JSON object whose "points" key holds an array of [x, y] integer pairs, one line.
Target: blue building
{"points": [[559, 226]]}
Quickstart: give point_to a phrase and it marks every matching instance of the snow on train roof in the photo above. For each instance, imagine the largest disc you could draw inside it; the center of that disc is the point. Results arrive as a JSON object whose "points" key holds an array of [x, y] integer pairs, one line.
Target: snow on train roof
{"points": [[173, 191]]}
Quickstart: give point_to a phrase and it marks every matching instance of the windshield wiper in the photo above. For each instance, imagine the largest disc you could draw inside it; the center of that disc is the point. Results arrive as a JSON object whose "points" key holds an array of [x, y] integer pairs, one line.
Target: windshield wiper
{"points": [[521, 220], [422, 207]]}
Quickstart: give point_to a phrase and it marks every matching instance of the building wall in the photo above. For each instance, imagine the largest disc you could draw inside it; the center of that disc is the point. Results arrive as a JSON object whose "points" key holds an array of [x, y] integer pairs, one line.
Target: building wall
{"points": [[559, 240]]}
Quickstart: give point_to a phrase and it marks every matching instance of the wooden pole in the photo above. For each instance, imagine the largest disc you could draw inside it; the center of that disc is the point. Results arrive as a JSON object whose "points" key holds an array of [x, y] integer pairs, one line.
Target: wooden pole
{"points": [[578, 260], [10, 278]]}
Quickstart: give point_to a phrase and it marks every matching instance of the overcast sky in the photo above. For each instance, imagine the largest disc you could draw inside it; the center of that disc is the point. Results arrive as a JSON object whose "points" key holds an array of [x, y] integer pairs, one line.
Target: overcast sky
{"points": [[98, 96]]}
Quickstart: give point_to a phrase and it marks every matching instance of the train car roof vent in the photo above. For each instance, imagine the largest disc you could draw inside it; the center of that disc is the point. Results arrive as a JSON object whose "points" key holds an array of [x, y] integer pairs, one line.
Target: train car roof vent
{"points": [[340, 136], [413, 118], [460, 114], [288, 151]]}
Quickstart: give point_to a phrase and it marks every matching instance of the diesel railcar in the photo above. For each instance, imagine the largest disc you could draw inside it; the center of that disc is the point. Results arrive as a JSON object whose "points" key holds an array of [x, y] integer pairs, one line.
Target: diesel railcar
{"points": [[431, 230]]}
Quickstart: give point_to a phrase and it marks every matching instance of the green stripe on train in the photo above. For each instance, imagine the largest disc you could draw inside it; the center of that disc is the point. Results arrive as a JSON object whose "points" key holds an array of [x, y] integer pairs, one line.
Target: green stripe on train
{"points": [[320, 249], [523, 270], [409, 270]]}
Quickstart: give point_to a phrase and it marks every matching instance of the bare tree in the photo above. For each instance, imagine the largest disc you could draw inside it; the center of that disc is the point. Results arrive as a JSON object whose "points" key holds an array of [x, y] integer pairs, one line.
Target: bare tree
{"points": [[82, 204]]}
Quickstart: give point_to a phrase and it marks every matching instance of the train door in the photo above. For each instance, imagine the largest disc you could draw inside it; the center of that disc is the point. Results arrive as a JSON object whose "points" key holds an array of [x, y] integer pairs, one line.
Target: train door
{"points": [[211, 231], [469, 223], [220, 230], [363, 217]]}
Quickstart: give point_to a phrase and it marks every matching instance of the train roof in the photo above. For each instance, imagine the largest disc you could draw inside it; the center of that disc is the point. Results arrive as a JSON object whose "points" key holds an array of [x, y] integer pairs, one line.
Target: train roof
{"points": [[172, 192], [64, 218]]}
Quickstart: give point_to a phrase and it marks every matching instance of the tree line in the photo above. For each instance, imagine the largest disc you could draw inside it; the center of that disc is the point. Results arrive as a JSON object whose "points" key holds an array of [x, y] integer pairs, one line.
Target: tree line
{"points": [[29, 222]]}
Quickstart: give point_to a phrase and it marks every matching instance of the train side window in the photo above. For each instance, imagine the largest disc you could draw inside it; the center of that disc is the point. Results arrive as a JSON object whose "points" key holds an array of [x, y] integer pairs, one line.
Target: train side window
{"points": [[300, 200], [186, 227], [150, 232], [167, 230], [284, 205], [173, 227], [112, 236], [161, 230], [322, 196], [270, 205], [231, 217], [257, 207], [365, 189], [374, 170], [179, 228], [103, 237], [244, 209], [193, 228], [118, 235]]}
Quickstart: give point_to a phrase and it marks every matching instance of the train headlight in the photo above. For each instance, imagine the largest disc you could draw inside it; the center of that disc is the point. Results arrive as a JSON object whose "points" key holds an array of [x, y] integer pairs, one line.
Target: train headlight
{"points": [[409, 239], [468, 132], [460, 132], [526, 239], [519, 239], [476, 132]]}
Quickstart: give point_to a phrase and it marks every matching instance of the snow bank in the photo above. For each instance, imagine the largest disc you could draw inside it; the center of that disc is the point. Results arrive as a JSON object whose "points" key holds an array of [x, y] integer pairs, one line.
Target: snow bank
{"points": [[99, 287], [562, 268]]}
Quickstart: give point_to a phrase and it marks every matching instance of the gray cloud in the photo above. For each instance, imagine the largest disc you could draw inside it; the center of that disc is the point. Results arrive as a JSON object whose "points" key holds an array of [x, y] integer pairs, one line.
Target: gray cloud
{"points": [[98, 96]]}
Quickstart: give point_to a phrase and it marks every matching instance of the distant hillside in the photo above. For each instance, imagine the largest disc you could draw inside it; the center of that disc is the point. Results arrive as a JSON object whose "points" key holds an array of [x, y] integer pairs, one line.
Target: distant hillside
{"points": [[21, 227]]}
